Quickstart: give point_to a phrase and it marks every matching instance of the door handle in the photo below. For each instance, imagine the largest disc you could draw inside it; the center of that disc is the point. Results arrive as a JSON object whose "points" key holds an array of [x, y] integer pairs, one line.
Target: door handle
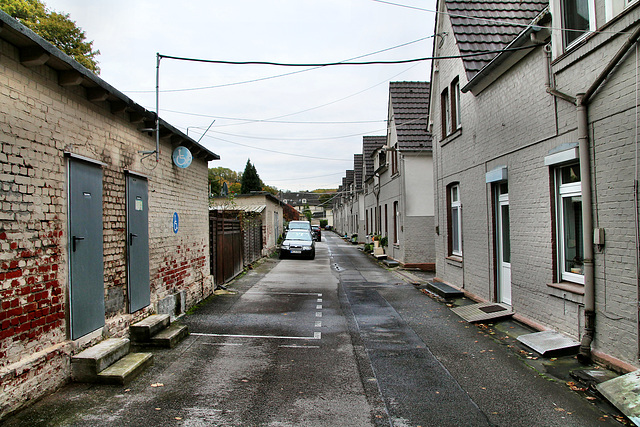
{"points": [[74, 239], [131, 236]]}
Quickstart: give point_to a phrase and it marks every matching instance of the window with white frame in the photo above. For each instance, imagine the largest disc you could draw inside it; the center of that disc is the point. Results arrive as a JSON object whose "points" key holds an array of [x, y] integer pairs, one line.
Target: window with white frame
{"points": [[455, 220], [614, 8], [445, 113], [455, 104], [396, 228], [577, 18], [569, 223]]}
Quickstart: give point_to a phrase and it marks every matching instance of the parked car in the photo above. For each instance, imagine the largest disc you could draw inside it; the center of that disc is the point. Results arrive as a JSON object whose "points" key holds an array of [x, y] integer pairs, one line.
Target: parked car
{"points": [[295, 225], [317, 232], [299, 243]]}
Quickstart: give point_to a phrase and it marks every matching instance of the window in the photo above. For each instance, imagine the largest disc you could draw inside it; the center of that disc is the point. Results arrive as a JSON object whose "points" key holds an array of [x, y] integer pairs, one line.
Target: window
{"points": [[577, 19], [569, 223], [445, 113], [395, 223], [386, 220], [366, 222], [394, 160], [455, 104], [615, 7], [455, 220]]}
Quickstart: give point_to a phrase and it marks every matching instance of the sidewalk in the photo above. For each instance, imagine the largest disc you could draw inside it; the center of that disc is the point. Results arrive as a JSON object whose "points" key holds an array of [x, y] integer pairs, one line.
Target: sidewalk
{"points": [[563, 368]]}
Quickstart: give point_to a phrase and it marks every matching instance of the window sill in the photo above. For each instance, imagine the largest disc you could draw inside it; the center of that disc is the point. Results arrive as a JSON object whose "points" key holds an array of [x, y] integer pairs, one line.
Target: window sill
{"points": [[568, 291], [453, 135], [454, 260]]}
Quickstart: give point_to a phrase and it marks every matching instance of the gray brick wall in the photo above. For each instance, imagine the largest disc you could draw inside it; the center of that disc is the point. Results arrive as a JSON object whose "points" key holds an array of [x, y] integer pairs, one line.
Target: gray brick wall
{"points": [[514, 123]]}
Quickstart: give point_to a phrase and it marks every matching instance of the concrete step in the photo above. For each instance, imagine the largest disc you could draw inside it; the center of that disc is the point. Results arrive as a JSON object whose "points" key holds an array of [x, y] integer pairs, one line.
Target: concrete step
{"points": [[126, 369], [86, 365], [444, 290], [391, 263], [142, 331], [171, 336]]}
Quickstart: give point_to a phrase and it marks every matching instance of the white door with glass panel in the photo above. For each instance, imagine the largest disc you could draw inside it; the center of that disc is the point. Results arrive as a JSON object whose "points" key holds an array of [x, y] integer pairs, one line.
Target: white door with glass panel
{"points": [[504, 246]]}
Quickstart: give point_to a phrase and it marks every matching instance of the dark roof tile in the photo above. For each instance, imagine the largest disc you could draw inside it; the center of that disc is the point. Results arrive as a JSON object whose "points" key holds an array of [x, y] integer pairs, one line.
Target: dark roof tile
{"points": [[410, 108], [489, 25]]}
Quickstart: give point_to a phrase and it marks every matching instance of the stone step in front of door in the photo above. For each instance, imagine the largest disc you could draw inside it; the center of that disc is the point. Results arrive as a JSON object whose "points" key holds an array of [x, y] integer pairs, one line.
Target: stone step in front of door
{"points": [[171, 336], [126, 369], [444, 290], [86, 365], [142, 331]]}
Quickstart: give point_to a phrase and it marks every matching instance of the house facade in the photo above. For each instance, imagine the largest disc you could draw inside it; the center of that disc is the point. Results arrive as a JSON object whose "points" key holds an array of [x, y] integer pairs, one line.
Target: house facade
{"points": [[404, 171], [395, 199], [99, 225], [533, 112]]}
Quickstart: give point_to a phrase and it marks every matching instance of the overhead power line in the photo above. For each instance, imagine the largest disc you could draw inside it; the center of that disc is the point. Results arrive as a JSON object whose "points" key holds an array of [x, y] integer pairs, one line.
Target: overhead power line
{"points": [[333, 64], [282, 75]]}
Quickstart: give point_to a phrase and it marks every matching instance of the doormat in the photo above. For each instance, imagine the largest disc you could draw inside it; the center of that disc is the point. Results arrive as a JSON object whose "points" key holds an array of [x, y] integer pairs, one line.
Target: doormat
{"points": [[492, 308], [483, 312]]}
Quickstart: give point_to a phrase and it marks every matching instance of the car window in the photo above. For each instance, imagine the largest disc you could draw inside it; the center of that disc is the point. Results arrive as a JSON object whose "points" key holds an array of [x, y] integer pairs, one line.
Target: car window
{"points": [[298, 235]]}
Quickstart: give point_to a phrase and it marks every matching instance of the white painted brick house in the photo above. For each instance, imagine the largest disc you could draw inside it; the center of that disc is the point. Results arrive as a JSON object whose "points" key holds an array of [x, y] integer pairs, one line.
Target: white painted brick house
{"points": [[94, 233], [536, 204]]}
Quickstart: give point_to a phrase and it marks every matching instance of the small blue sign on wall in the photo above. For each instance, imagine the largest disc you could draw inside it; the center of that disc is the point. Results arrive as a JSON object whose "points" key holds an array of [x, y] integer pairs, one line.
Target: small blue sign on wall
{"points": [[182, 157], [176, 222]]}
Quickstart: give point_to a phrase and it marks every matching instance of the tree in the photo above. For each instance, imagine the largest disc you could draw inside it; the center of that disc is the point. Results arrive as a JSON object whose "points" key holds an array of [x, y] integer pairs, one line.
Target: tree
{"points": [[250, 179], [307, 212], [220, 175], [55, 27]]}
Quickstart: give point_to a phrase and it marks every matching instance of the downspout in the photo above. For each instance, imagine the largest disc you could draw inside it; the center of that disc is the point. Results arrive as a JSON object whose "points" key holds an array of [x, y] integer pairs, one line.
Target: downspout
{"points": [[587, 230], [587, 217], [582, 102]]}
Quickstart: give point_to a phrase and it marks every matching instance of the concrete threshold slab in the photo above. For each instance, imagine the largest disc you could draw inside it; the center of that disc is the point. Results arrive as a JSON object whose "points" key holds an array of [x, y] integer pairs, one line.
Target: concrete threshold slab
{"points": [[444, 290], [483, 312], [550, 342], [622, 392]]}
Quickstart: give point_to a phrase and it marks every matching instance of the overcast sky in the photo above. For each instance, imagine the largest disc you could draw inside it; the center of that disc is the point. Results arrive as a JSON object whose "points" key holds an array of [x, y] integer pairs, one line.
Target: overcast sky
{"points": [[300, 130]]}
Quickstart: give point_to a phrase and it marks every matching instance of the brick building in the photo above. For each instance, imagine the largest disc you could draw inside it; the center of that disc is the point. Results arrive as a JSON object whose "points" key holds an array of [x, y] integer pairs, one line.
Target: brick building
{"points": [[535, 164], [94, 232]]}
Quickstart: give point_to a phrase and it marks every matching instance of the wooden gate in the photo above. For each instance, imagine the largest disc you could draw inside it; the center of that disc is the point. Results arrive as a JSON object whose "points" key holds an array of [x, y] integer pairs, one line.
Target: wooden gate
{"points": [[225, 245], [252, 237]]}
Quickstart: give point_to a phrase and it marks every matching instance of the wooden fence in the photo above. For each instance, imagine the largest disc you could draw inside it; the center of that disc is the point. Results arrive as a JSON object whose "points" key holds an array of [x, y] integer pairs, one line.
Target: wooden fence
{"points": [[235, 241]]}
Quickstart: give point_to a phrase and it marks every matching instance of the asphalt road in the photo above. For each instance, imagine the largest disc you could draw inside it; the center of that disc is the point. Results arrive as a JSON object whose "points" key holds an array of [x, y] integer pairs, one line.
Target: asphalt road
{"points": [[335, 341]]}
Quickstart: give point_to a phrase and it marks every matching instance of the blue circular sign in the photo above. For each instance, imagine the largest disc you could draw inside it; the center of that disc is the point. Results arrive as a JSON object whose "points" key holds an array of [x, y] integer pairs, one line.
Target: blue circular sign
{"points": [[182, 157], [176, 222]]}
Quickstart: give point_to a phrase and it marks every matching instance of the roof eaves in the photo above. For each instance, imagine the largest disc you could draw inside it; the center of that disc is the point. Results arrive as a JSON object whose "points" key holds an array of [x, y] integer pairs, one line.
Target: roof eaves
{"points": [[511, 49]]}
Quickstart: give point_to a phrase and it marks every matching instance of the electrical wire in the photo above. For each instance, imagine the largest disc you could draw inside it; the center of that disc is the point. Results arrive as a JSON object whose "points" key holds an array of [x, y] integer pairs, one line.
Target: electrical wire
{"points": [[279, 152], [272, 121], [282, 75], [340, 63], [398, 125]]}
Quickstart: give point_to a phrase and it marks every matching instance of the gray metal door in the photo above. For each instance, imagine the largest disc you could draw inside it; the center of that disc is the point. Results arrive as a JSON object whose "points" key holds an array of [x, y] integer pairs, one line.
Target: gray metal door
{"points": [[86, 283], [138, 243]]}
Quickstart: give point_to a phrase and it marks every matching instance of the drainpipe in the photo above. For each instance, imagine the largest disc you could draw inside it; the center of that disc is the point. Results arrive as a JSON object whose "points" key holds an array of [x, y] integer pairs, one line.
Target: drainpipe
{"points": [[582, 101], [587, 230]]}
